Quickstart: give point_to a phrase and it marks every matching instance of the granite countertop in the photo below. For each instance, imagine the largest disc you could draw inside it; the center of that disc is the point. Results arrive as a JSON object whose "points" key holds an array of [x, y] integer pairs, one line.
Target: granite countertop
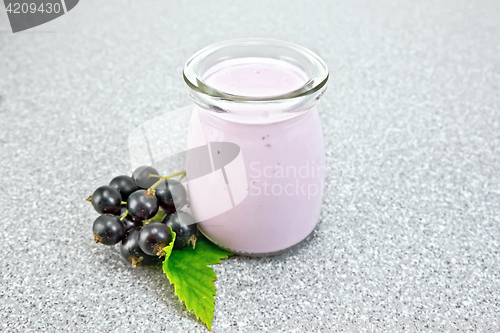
{"points": [[410, 229]]}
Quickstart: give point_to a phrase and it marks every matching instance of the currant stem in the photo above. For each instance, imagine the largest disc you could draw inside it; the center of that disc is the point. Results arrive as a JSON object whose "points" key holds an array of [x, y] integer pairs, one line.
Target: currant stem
{"points": [[124, 215], [154, 176], [183, 173], [152, 188]]}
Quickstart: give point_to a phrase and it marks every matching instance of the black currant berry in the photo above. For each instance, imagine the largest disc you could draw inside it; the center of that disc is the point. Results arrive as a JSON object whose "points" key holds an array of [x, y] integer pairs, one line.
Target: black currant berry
{"points": [[154, 237], [125, 185], [107, 200], [108, 230], [171, 195], [142, 204], [141, 176], [130, 222], [131, 251], [184, 226]]}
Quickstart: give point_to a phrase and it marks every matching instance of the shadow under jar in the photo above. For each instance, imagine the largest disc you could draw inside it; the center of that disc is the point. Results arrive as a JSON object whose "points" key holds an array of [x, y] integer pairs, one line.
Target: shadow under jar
{"points": [[259, 95]]}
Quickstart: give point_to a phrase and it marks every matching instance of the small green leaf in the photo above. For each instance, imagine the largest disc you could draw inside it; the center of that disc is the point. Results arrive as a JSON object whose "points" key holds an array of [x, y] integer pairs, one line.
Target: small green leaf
{"points": [[187, 270], [158, 217], [168, 249]]}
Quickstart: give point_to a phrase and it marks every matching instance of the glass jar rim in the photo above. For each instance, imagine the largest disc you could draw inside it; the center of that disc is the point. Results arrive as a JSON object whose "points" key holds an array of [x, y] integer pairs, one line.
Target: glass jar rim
{"points": [[317, 70]]}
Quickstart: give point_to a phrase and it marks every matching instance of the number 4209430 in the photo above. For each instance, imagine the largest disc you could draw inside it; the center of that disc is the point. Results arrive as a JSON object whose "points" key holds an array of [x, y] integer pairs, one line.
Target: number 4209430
{"points": [[18, 8]]}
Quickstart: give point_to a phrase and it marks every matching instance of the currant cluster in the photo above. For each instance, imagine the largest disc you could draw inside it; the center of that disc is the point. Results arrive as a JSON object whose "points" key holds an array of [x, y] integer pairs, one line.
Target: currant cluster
{"points": [[138, 211]]}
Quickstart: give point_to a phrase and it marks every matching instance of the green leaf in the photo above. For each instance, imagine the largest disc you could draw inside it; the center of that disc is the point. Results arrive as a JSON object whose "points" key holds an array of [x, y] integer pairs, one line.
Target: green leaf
{"points": [[187, 270], [158, 217], [168, 249]]}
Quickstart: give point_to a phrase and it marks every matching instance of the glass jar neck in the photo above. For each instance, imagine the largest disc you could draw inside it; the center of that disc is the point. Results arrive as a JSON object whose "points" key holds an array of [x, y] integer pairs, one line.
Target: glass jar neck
{"points": [[256, 80]]}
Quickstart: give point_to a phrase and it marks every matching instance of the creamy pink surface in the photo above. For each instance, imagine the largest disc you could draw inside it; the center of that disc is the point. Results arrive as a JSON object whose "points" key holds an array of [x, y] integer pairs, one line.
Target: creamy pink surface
{"points": [[249, 77], [280, 214]]}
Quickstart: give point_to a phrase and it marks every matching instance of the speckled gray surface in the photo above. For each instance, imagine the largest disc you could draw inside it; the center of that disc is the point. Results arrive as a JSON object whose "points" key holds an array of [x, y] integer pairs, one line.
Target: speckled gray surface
{"points": [[410, 229]]}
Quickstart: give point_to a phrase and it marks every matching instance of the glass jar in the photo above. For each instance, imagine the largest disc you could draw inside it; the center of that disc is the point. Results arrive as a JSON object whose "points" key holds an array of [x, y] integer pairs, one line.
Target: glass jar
{"points": [[256, 122]]}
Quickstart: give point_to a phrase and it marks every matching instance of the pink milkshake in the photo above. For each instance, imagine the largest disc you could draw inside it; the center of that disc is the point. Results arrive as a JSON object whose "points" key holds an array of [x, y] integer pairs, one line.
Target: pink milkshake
{"points": [[272, 192]]}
